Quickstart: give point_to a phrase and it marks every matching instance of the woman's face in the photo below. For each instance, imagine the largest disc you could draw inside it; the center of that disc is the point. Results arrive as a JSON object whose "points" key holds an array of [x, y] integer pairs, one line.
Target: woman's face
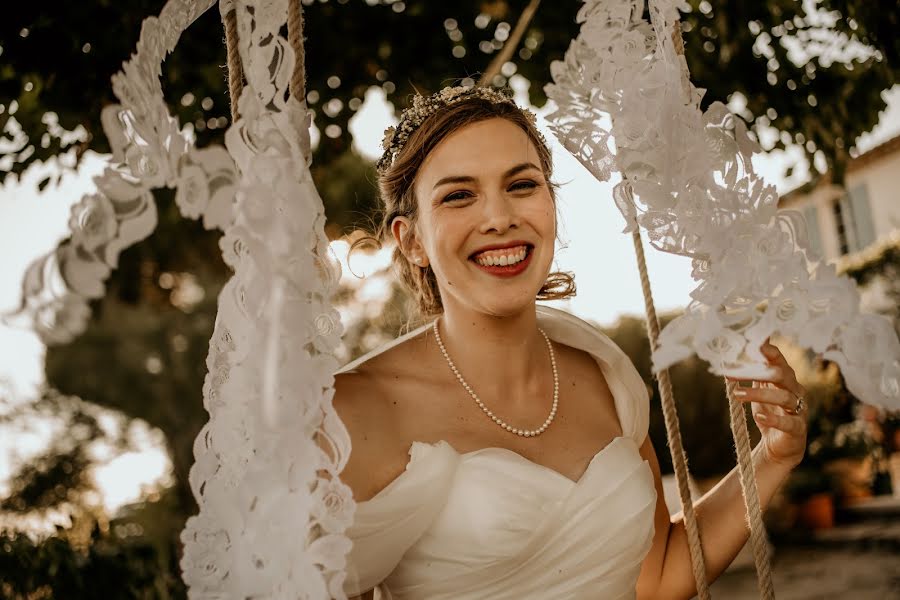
{"points": [[487, 220]]}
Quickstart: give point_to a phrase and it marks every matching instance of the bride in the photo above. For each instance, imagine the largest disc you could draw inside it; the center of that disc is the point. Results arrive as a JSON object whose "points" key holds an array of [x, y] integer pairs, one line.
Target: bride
{"points": [[501, 450]]}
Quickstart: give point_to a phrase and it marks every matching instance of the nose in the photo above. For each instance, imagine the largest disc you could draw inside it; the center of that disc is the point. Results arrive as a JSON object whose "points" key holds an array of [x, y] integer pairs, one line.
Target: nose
{"points": [[500, 214]]}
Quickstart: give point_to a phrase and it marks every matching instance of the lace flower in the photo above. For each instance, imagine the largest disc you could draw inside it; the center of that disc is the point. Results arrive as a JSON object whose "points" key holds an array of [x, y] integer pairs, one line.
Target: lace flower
{"points": [[92, 221], [333, 506], [192, 194], [204, 563]]}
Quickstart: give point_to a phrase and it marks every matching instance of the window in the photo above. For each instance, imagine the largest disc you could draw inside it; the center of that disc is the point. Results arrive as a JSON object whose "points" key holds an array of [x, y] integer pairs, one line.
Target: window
{"points": [[811, 216], [858, 199], [853, 216]]}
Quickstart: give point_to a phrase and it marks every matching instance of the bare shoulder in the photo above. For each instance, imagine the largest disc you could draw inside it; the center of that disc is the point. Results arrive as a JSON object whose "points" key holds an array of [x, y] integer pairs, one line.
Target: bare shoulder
{"points": [[583, 368], [360, 400], [371, 402], [584, 380]]}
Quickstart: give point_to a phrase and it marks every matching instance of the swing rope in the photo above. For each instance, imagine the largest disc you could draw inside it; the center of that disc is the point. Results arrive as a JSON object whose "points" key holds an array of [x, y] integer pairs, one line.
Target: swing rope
{"points": [[295, 39], [758, 539], [738, 420], [235, 69], [673, 430]]}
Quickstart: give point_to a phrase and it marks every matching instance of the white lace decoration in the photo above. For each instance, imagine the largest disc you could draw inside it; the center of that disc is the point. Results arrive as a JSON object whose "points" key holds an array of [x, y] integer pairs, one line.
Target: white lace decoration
{"points": [[688, 180], [272, 509]]}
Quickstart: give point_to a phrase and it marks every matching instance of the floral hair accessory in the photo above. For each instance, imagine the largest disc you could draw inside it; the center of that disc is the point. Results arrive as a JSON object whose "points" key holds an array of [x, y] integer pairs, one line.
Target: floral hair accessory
{"points": [[424, 106]]}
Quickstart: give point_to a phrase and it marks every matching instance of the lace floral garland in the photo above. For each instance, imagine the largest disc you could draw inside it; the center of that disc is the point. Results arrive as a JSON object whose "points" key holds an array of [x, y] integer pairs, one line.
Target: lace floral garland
{"points": [[688, 180], [272, 509]]}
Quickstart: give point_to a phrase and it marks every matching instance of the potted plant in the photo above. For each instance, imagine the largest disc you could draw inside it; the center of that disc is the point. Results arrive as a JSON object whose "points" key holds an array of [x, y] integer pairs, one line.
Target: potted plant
{"points": [[810, 489]]}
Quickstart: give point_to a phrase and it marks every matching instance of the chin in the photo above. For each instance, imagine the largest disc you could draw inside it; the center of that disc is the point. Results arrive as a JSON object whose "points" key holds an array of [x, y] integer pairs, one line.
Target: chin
{"points": [[507, 304]]}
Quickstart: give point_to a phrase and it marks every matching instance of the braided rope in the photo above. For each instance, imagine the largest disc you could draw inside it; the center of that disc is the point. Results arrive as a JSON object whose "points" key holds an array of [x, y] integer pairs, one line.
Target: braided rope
{"points": [[673, 430], [678, 39], [235, 69], [758, 540], [295, 38]]}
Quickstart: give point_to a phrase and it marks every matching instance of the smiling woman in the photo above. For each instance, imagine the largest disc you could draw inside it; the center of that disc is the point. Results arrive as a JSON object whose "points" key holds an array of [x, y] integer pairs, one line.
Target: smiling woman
{"points": [[500, 450]]}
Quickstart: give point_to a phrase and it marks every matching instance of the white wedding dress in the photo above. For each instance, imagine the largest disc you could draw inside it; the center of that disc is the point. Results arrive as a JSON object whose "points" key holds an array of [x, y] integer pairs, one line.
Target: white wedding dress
{"points": [[490, 524]]}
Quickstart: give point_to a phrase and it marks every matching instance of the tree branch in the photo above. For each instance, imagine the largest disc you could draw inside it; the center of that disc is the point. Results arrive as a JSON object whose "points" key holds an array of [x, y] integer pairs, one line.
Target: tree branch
{"points": [[511, 43]]}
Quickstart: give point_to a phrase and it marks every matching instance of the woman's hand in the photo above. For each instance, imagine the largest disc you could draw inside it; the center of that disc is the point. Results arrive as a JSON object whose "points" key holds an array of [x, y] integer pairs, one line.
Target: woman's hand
{"points": [[774, 403]]}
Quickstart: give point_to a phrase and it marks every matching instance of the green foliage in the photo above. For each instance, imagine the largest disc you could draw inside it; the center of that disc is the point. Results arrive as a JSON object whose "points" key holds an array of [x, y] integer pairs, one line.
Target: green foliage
{"points": [[349, 192], [54, 568], [833, 433], [847, 440], [699, 396], [59, 475], [823, 103], [884, 262], [59, 56], [879, 266], [143, 353]]}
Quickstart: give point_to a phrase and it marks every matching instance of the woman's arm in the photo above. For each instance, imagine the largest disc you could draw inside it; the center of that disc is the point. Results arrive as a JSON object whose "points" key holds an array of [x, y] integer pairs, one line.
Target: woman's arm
{"points": [[721, 514], [722, 521], [360, 406]]}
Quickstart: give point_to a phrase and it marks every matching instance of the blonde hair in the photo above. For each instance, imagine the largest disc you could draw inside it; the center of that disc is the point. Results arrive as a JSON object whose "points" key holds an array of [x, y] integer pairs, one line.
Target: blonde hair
{"points": [[395, 185]]}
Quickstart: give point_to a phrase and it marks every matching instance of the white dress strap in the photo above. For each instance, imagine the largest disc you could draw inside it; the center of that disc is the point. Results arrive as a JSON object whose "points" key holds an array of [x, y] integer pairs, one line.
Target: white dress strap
{"points": [[627, 386]]}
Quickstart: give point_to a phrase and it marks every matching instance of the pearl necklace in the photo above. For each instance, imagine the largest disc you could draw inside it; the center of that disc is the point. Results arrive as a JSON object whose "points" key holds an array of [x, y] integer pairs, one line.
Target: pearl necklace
{"points": [[495, 418]]}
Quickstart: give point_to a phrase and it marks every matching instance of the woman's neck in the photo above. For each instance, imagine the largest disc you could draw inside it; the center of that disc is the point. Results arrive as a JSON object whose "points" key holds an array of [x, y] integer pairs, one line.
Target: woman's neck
{"points": [[504, 359]]}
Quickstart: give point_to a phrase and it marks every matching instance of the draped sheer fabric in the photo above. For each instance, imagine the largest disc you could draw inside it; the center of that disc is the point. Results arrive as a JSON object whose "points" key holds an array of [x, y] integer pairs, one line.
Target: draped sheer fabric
{"points": [[492, 524]]}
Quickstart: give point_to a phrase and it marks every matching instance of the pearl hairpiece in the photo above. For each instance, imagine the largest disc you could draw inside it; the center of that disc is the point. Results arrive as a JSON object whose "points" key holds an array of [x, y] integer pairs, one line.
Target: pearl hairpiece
{"points": [[424, 106]]}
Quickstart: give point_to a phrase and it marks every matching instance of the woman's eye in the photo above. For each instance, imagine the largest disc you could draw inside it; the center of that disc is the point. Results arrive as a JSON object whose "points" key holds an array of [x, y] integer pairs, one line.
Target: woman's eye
{"points": [[523, 185], [456, 196]]}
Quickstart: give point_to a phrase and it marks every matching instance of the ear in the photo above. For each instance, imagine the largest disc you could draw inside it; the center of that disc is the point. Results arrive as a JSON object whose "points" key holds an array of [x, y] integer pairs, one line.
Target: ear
{"points": [[407, 240]]}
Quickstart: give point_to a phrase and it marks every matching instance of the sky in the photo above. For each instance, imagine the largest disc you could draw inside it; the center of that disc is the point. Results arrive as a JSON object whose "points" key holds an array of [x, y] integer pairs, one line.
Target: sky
{"points": [[594, 248]]}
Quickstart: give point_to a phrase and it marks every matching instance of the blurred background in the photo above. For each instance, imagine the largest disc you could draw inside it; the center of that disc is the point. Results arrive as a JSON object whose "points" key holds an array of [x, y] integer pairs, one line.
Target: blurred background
{"points": [[96, 434]]}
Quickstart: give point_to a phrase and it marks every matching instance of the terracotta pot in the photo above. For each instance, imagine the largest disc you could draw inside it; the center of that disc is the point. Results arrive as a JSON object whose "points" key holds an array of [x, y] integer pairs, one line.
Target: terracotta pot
{"points": [[894, 469], [817, 512], [853, 477]]}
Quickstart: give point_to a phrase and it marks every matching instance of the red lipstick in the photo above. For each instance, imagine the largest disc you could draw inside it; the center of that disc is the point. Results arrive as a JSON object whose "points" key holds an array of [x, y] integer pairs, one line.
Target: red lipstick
{"points": [[504, 271]]}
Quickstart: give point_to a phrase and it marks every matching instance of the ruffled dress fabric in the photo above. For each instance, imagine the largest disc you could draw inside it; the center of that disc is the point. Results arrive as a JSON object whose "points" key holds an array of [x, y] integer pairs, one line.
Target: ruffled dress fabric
{"points": [[492, 524]]}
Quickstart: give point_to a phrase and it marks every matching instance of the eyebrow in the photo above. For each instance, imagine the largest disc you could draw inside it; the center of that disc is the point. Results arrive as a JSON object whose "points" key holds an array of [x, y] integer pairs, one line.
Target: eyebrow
{"points": [[468, 179]]}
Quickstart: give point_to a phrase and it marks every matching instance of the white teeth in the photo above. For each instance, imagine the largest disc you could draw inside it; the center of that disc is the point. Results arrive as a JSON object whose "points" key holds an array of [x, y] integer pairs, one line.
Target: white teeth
{"points": [[504, 260]]}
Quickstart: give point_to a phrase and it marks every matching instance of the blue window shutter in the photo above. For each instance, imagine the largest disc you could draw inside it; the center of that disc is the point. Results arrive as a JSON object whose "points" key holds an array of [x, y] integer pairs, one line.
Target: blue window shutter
{"points": [[811, 216], [849, 225], [862, 215]]}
